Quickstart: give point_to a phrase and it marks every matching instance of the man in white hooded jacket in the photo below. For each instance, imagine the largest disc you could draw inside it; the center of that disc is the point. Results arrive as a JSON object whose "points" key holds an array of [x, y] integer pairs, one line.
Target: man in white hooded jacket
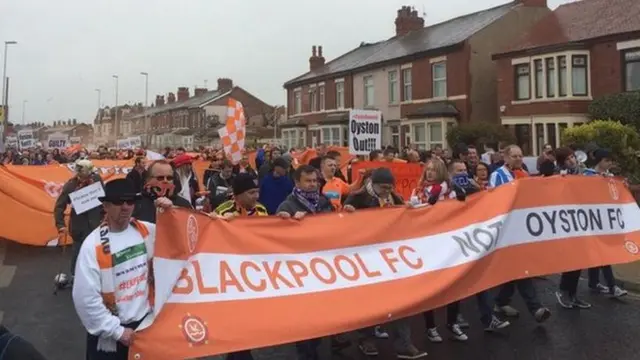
{"points": [[112, 292]]}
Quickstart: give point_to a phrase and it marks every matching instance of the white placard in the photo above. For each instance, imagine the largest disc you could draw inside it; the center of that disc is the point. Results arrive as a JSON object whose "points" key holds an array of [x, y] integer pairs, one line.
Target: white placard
{"points": [[135, 141], [75, 140], [57, 141], [365, 131], [11, 141], [25, 139], [86, 198], [123, 144]]}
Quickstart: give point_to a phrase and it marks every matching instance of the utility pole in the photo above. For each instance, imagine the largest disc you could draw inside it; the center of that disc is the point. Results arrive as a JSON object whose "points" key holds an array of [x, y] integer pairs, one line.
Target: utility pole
{"points": [[117, 123]]}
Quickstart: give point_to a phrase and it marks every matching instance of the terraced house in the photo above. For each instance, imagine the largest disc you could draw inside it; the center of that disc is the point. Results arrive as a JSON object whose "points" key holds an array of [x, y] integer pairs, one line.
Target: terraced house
{"points": [[423, 79], [579, 52]]}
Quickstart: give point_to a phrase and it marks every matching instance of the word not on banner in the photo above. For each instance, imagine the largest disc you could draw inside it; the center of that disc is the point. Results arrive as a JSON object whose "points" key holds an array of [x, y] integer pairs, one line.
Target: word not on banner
{"points": [[57, 141], [365, 131], [221, 286], [406, 175], [25, 139]]}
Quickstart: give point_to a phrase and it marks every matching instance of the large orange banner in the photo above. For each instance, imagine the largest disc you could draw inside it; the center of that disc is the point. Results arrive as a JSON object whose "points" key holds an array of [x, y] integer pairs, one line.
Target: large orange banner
{"points": [[254, 282]]}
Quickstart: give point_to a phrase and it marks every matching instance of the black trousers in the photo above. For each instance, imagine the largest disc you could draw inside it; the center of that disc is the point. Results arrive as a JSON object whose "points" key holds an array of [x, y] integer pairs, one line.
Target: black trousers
{"points": [[453, 310], [13, 347], [569, 282], [122, 352]]}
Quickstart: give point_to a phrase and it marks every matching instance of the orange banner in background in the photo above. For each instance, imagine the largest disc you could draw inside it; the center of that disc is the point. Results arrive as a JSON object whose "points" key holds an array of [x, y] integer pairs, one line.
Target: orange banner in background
{"points": [[255, 282], [405, 174]]}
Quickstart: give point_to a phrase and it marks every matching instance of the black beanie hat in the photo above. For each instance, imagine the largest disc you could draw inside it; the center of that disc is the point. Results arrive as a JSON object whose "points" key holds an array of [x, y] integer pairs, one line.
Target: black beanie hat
{"points": [[382, 176], [244, 182]]}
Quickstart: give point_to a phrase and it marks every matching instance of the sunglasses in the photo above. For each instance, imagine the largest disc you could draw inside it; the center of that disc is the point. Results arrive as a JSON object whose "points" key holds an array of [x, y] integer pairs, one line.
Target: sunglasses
{"points": [[122, 202], [164, 178]]}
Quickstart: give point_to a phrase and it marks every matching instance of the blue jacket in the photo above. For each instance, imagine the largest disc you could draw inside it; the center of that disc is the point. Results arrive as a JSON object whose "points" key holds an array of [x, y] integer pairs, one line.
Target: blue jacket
{"points": [[274, 190]]}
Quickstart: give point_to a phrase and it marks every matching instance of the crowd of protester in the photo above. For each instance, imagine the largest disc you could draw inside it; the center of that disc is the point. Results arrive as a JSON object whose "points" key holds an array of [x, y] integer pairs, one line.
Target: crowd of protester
{"points": [[275, 186]]}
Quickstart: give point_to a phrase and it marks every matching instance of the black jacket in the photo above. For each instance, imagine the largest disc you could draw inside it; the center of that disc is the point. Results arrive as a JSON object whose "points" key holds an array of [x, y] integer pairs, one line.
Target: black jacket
{"points": [[80, 226], [363, 200], [145, 209], [216, 181], [292, 205], [136, 178]]}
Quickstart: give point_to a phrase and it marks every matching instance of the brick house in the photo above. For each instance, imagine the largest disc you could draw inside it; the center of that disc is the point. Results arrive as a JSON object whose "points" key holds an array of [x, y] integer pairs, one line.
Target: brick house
{"points": [[423, 79], [77, 132], [190, 121], [105, 125], [580, 51]]}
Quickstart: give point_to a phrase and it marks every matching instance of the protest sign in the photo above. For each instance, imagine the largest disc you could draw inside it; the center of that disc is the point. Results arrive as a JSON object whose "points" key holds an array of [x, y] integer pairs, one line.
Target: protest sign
{"points": [[11, 141], [86, 198], [215, 294], [57, 141], [135, 142], [406, 175], [25, 139], [365, 131], [75, 140], [123, 144]]}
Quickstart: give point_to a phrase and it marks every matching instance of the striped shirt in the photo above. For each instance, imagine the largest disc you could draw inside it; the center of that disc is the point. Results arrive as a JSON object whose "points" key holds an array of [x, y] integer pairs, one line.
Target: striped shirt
{"points": [[500, 176]]}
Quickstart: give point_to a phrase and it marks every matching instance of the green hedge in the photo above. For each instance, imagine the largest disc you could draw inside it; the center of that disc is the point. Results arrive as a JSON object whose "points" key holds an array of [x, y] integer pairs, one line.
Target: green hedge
{"points": [[622, 140], [623, 107], [479, 134]]}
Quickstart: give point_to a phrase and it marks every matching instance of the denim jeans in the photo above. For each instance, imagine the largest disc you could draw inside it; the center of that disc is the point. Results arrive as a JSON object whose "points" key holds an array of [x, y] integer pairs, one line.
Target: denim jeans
{"points": [[569, 282], [484, 307], [607, 273], [527, 290]]}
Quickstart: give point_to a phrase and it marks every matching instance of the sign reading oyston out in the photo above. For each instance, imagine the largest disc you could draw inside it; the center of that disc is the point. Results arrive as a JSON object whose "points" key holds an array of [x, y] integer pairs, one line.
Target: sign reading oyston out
{"points": [[365, 131]]}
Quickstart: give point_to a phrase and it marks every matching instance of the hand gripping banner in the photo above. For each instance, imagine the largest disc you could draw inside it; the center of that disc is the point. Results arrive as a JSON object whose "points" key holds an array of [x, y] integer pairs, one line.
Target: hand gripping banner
{"points": [[225, 286]]}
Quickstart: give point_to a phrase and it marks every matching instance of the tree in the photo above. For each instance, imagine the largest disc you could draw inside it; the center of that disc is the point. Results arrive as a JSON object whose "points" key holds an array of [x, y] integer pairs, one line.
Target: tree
{"points": [[479, 134], [623, 107], [622, 140]]}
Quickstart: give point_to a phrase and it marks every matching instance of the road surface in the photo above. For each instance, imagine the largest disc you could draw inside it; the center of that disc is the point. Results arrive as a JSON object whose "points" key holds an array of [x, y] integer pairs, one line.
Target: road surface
{"points": [[610, 330]]}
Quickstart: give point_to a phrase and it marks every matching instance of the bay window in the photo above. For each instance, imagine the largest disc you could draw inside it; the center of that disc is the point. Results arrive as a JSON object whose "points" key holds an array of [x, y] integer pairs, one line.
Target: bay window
{"points": [[523, 82], [551, 77], [632, 70], [579, 76]]}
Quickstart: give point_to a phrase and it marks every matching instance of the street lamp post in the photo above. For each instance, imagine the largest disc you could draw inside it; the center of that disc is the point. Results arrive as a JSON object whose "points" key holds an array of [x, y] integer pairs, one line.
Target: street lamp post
{"points": [[117, 123], [24, 109], [146, 104], [4, 74], [99, 97]]}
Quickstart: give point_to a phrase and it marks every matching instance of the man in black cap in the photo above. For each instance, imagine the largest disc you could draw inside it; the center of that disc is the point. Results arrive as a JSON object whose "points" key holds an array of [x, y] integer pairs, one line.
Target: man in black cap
{"points": [[245, 199], [113, 263]]}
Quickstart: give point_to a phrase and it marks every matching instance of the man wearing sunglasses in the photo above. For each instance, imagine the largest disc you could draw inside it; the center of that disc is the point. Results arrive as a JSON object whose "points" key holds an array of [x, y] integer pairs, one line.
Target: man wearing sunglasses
{"points": [[158, 183]]}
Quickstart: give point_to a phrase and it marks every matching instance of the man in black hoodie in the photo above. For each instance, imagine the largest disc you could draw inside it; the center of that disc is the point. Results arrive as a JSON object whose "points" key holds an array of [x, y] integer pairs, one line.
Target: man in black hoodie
{"points": [[378, 193]]}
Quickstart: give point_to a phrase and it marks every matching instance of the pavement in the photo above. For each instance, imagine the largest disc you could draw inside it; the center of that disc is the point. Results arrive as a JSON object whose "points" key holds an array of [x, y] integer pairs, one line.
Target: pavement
{"points": [[607, 331]]}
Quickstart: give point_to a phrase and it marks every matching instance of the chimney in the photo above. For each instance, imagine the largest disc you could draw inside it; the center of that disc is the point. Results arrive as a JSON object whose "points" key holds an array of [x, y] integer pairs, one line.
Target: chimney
{"points": [[183, 93], [536, 3], [408, 20], [159, 100], [171, 98], [225, 84], [199, 91], [316, 60]]}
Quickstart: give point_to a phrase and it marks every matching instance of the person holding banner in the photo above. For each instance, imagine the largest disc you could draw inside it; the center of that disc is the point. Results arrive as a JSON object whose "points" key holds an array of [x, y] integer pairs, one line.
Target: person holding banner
{"points": [[511, 171], [245, 199], [80, 225], [378, 193], [158, 183], [112, 292]]}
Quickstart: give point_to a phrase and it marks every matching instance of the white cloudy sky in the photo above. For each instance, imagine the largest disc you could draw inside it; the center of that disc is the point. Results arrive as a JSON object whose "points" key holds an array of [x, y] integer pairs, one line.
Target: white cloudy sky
{"points": [[68, 48]]}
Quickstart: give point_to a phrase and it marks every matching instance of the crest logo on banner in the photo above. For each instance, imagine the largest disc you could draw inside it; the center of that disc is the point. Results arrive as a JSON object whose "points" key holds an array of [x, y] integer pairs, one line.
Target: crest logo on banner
{"points": [[192, 233], [195, 330], [52, 188], [613, 190], [631, 247]]}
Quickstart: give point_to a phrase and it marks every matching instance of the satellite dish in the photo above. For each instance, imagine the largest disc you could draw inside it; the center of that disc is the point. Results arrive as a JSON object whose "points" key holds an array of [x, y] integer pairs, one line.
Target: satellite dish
{"points": [[581, 156]]}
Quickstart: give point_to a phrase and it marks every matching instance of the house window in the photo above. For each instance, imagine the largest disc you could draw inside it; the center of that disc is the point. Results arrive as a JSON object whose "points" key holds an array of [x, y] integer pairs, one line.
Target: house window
{"points": [[368, 91], [551, 135], [551, 77], [632, 70], [435, 134], [439, 74], [393, 87], [301, 138], [297, 102], [340, 95], [312, 100], [321, 100], [406, 84], [331, 135], [539, 79], [562, 76], [523, 82], [395, 136], [419, 137], [579, 75]]}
